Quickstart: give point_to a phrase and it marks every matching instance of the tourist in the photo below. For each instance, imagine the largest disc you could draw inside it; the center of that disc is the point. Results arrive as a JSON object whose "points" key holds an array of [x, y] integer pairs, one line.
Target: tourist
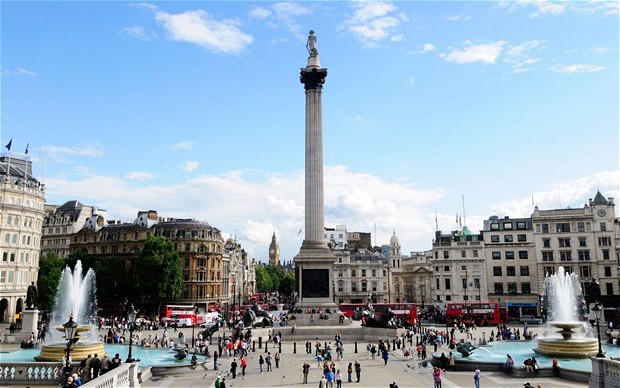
{"points": [[96, 364], [244, 364], [323, 382], [217, 382], [528, 365], [215, 355], [233, 368], [451, 361], [223, 383], [535, 365], [509, 364], [330, 377], [358, 371], [277, 360], [116, 361], [437, 372], [261, 361], [306, 370], [350, 372], [477, 377], [338, 379], [368, 348], [386, 356], [556, 367]]}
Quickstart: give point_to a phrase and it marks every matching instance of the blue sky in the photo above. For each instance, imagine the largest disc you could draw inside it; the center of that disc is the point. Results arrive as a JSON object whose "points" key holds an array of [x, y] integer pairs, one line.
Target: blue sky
{"points": [[195, 109]]}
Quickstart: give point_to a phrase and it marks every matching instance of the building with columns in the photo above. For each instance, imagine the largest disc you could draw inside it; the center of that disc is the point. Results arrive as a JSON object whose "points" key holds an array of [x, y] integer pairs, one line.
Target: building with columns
{"points": [[22, 199]]}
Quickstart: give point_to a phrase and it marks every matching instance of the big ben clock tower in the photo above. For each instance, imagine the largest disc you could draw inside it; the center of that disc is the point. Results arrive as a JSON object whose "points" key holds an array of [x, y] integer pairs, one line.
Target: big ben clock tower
{"points": [[274, 251]]}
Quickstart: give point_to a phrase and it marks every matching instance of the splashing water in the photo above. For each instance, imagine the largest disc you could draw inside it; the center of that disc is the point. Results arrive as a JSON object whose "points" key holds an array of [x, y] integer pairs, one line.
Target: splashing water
{"points": [[76, 294], [562, 290]]}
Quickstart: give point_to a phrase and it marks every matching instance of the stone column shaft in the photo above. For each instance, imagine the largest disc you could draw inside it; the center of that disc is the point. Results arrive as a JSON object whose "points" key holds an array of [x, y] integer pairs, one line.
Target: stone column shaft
{"points": [[314, 167]]}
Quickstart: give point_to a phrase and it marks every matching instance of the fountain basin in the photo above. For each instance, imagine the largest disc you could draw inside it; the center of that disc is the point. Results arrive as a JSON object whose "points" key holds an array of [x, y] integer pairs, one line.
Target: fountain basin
{"points": [[567, 345], [79, 351]]}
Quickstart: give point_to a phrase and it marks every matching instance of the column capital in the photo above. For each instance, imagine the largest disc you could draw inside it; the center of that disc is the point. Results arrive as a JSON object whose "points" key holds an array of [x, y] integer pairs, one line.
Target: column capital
{"points": [[313, 78]]}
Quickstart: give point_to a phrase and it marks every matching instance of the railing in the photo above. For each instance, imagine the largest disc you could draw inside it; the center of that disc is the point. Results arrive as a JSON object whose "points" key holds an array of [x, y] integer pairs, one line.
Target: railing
{"points": [[605, 373], [50, 374]]}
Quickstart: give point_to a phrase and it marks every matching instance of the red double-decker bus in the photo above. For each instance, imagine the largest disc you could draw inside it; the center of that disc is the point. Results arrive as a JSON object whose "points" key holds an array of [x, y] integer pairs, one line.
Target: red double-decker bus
{"points": [[480, 313], [404, 311]]}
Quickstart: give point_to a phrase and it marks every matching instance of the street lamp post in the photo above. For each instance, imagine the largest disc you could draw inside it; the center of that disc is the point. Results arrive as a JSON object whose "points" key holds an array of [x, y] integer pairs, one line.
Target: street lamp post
{"points": [[131, 316], [598, 310], [70, 328]]}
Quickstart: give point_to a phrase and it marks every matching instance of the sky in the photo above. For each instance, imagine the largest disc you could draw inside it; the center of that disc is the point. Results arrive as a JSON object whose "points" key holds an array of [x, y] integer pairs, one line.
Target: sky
{"points": [[432, 111]]}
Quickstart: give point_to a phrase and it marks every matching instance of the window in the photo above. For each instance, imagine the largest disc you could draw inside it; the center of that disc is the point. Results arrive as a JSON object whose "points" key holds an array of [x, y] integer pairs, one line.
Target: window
{"points": [[436, 268], [352, 272], [525, 270], [510, 255], [521, 225], [446, 254], [475, 251], [522, 254], [526, 288], [585, 271], [582, 242], [607, 271], [494, 226], [510, 271], [5, 256], [437, 283], [521, 238], [363, 273], [605, 254], [581, 227], [562, 227], [512, 288], [549, 270], [547, 256], [565, 256], [496, 255], [463, 254], [497, 271], [374, 273], [340, 273], [353, 287], [564, 242], [604, 241], [364, 287], [545, 228], [448, 298], [340, 287], [464, 283], [384, 273], [499, 288], [495, 238], [610, 288], [546, 243], [584, 255], [603, 227], [447, 283], [446, 268], [476, 283], [508, 238], [463, 268], [507, 225]]}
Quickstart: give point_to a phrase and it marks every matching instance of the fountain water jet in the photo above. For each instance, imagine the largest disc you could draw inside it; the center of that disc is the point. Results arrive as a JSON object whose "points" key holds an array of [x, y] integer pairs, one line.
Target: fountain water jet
{"points": [[76, 295], [562, 291]]}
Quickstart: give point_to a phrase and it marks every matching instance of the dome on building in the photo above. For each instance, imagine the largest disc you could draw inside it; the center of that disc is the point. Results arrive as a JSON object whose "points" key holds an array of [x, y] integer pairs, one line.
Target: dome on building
{"points": [[394, 239]]}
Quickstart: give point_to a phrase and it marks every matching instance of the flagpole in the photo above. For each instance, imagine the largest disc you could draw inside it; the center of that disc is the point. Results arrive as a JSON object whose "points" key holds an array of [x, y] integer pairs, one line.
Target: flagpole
{"points": [[464, 220]]}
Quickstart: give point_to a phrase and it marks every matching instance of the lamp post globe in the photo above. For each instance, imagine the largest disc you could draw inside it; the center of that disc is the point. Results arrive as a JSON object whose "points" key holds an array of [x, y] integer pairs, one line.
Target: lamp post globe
{"points": [[598, 312], [131, 317]]}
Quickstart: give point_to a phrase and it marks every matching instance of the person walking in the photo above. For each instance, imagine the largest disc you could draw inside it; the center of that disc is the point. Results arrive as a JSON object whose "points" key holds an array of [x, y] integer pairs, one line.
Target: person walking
{"points": [[338, 379], [477, 377], [306, 370], [385, 356], [437, 372], [215, 355], [358, 371], [350, 372], [244, 364], [277, 360], [261, 361], [233, 368], [268, 361], [451, 361]]}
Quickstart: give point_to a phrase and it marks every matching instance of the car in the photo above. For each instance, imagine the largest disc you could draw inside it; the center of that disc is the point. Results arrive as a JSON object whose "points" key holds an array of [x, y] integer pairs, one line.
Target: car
{"points": [[530, 319]]}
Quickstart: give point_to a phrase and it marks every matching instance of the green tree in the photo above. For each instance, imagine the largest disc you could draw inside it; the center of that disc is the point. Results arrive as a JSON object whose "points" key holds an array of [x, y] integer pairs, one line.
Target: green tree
{"points": [[276, 273], [263, 280], [157, 272], [287, 285], [50, 269], [112, 279]]}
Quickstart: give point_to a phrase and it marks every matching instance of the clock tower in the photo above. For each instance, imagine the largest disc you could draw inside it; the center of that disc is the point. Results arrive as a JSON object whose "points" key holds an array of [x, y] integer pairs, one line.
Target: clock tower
{"points": [[274, 251]]}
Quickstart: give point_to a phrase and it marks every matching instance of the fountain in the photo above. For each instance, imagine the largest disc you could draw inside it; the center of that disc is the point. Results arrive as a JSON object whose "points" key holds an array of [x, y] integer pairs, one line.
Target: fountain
{"points": [[75, 296], [562, 291]]}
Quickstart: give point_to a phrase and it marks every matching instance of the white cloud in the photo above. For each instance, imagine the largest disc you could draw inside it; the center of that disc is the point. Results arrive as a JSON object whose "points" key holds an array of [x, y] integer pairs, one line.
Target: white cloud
{"points": [[139, 175], [283, 14], [485, 53], [578, 68], [601, 50], [455, 18], [201, 28], [260, 13], [427, 48], [136, 32], [189, 166], [373, 22], [20, 71], [58, 154], [183, 145], [412, 80], [544, 8], [518, 56]]}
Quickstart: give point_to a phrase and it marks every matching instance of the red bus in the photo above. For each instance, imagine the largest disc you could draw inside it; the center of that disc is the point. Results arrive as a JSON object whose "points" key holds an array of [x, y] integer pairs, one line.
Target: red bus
{"points": [[404, 311], [478, 312], [181, 312]]}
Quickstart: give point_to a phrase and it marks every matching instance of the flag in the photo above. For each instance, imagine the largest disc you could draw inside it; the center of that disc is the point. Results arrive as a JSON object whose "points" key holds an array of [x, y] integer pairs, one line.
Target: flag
{"points": [[26, 152], [457, 218], [460, 223], [299, 233], [8, 146]]}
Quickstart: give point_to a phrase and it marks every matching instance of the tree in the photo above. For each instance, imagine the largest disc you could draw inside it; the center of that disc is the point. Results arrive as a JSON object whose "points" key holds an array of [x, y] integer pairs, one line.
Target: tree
{"points": [[157, 272], [287, 285], [276, 274], [263, 280], [50, 270], [112, 279]]}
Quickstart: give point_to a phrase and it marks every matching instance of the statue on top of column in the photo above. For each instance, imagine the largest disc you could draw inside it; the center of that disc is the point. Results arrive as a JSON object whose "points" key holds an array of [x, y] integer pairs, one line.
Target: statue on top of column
{"points": [[311, 45]]}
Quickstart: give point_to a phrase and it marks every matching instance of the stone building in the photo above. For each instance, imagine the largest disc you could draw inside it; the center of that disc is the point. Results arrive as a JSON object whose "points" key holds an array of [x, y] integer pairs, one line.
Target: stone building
{"points": [[61, 222], [200, 247], [583, 241], [360, 276], [274, 251], [417, 279], [512, 276], [22, 199], [239, 280]]}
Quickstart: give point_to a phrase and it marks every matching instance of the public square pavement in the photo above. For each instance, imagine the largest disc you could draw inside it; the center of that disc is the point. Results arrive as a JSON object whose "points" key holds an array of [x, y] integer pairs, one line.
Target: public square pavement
{"points": [[408, 374]]}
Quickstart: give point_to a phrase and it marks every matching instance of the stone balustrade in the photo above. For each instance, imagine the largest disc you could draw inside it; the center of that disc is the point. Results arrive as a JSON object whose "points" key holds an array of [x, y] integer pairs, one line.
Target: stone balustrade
{"points": [[605, 373]]}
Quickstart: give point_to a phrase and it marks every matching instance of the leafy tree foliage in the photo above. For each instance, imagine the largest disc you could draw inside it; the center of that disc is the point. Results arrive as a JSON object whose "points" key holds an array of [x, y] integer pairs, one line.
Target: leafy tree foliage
{"points": [[287, 285], [276, 273], [50, 269], [113, 283], [157, 272], [263, 280]]}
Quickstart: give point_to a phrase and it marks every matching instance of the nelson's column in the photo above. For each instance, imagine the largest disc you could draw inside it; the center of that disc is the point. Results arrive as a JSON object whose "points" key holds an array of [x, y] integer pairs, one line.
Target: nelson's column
{"points": [[314, 263]]}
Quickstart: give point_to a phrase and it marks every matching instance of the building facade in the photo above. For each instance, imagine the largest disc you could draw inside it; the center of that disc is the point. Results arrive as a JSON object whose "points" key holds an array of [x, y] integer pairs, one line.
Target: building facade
{"points": [[274, 251], [22, 200], [511, 268]]}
